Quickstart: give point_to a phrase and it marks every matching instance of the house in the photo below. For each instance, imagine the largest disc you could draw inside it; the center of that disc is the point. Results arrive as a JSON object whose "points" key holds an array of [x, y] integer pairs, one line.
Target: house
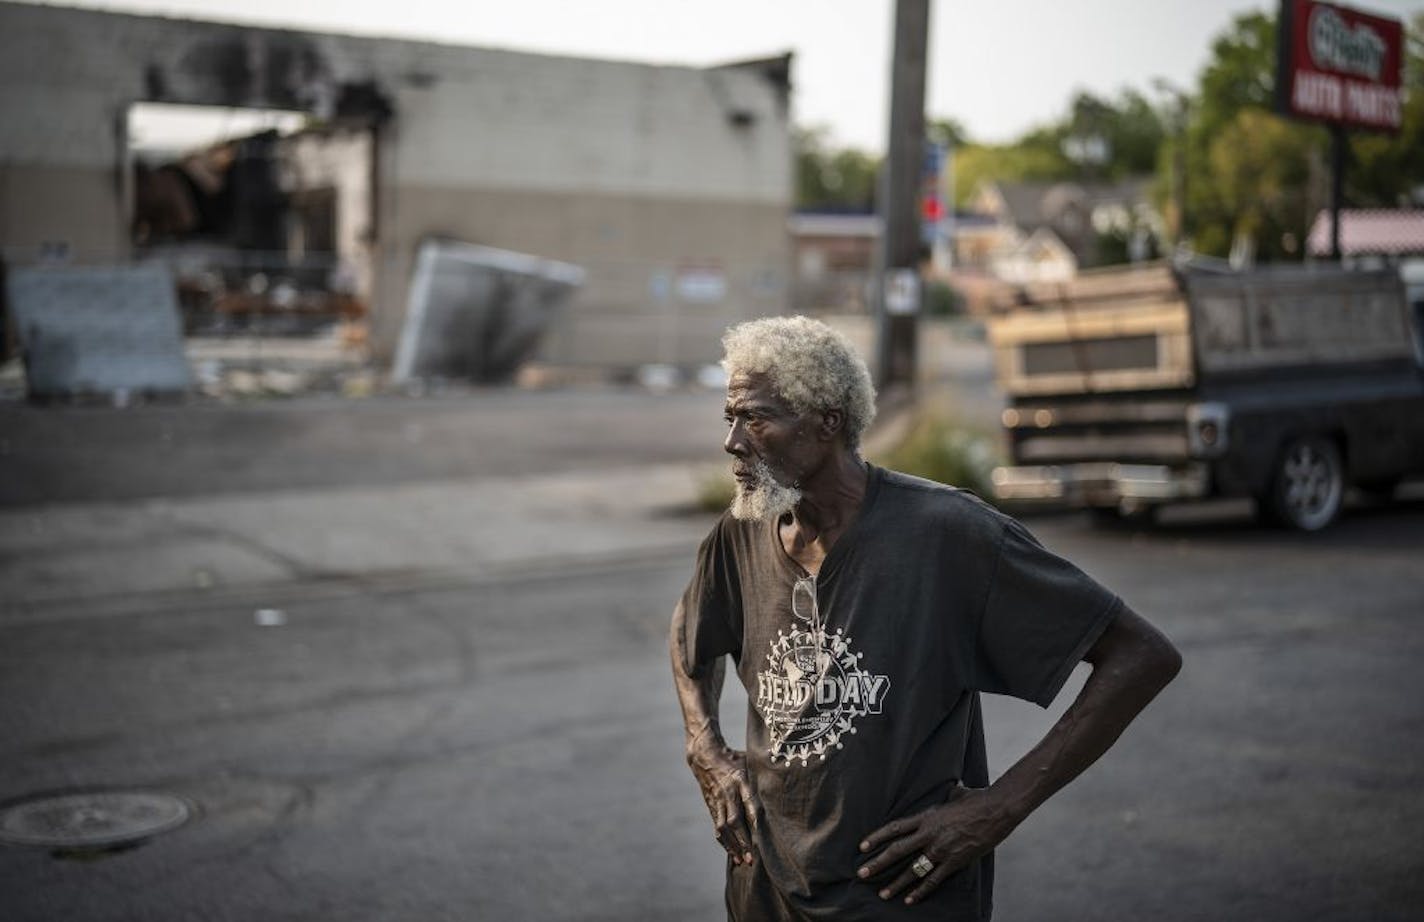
{"points": [[1092, 223], [1040, 257], [833, 256], [835, 253]]}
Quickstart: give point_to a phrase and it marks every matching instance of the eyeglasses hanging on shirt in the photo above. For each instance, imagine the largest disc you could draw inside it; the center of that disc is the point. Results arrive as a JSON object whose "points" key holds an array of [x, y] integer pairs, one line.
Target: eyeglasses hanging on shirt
{"points": [[808, 652]]}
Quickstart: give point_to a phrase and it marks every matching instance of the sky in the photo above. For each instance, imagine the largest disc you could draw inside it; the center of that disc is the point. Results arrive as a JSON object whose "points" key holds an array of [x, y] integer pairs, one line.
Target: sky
{"points": [[999, 67]]}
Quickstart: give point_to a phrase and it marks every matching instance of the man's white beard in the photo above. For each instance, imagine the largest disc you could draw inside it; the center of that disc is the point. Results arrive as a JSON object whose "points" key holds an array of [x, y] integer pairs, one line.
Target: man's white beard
{"points": [[764, 499]]}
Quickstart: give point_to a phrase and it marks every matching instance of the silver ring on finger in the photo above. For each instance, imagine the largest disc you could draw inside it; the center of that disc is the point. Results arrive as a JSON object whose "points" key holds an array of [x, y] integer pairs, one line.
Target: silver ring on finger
{"points": [[922, 866]]}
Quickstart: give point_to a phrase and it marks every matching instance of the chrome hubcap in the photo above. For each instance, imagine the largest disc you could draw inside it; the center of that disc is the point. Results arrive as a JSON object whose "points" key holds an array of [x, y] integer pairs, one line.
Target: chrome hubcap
{"points": [[1309, 481]]}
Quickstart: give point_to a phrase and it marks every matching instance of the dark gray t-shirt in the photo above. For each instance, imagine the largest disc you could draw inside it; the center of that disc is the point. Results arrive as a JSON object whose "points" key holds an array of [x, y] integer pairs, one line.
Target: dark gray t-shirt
{"points": [[864, 707]]}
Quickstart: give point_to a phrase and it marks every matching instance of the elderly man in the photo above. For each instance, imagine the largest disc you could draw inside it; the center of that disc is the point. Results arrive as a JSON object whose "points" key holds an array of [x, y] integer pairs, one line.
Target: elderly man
{"points": [[865, 611]]}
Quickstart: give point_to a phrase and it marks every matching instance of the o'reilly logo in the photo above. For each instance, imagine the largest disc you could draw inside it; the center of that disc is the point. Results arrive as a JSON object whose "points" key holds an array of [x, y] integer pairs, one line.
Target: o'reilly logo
{"points": [[1334, 45]]}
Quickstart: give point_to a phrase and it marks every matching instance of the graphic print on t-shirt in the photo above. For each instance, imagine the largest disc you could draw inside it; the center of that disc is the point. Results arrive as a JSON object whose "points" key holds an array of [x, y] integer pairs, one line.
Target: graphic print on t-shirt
{"points": [[812, 693]]}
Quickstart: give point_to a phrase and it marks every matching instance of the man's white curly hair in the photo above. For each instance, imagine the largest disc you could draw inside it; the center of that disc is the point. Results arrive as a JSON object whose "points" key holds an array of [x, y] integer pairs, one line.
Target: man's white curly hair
{"points": [[811, 366]]}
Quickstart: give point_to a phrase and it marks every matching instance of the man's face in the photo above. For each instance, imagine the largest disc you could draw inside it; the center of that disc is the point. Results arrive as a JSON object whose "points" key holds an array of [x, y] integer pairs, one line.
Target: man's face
{"points": [[771, 445]]}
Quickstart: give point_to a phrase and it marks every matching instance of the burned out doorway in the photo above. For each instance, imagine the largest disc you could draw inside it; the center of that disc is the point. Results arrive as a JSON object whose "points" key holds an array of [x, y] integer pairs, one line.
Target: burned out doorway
{"points": [[265, 220]]}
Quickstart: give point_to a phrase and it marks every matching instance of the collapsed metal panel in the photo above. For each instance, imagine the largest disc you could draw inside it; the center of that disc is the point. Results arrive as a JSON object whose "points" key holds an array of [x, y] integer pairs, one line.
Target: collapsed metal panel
{"points": [[98, 330], [476, 312]]}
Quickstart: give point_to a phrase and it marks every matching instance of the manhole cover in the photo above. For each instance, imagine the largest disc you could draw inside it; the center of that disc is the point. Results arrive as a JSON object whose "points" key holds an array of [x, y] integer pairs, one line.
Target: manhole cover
{"points": [[98, 819]]}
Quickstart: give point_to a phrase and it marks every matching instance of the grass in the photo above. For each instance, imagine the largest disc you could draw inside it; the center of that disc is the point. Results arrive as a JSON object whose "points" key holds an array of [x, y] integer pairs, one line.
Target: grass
{"points": [[938, 449], [715, 489]]}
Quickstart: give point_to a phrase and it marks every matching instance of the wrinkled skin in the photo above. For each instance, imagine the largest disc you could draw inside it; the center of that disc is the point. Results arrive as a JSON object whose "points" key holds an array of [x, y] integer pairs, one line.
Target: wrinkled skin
{"points": [[951, 835], [721, 774], [763, 431]]}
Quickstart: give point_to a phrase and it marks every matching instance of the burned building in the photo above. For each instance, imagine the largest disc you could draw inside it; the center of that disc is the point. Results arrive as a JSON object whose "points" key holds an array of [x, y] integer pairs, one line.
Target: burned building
{"points": [[670, 186]]}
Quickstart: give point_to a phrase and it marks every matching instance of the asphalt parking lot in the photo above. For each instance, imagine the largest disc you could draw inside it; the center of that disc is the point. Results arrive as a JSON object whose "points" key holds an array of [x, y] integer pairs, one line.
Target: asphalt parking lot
{"points": [[478, 743]]}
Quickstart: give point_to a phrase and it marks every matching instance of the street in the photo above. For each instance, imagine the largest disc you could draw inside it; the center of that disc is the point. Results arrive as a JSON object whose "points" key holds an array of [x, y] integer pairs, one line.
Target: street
{"points": [[501, 741], [77, 454]]}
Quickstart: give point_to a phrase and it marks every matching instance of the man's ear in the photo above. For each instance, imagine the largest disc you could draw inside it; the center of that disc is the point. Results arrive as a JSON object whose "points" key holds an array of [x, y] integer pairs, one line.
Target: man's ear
{"points": [[832, 424]]}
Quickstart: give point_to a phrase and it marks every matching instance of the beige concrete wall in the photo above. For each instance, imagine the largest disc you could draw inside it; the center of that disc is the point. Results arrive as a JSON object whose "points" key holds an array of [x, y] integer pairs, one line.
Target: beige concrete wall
{"points": [[74, 207], [523, 121], [633, 250]]}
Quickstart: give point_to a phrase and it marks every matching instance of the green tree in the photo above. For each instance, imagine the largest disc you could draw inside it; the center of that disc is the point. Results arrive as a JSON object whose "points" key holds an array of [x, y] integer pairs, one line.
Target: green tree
{"points": [[1239, 75], [1098, 139], [1388, 171], [979, 163], [1111, 138], [1251, 172], [832, 178], [947, 131], [1266, 174], [1135, 134]]}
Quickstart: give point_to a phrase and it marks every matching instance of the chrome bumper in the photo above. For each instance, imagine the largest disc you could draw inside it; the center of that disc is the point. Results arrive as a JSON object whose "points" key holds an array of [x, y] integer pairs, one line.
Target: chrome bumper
{"points": [[1101, 483]]}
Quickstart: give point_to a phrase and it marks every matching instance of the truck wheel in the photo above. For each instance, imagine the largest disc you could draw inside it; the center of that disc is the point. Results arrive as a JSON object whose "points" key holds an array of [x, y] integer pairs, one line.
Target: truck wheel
{"points": [[1309, 484]]}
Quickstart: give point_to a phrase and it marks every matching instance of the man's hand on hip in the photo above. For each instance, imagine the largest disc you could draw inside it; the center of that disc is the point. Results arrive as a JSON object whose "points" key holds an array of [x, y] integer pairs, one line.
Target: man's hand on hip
{"points": [[930, 846], [722, 775]]}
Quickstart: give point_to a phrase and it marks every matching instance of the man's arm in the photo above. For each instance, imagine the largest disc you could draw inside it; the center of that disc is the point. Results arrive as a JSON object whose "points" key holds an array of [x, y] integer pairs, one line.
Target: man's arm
{"points": [[1132, 661], [721, 771]]}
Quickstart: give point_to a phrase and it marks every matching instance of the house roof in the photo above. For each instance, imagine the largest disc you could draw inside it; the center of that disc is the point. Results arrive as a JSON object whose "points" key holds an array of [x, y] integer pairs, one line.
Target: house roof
{"points": [[842, 224], [822, 224], [966, 220], [1391, 232], [1045, 239], [1034, 204]]}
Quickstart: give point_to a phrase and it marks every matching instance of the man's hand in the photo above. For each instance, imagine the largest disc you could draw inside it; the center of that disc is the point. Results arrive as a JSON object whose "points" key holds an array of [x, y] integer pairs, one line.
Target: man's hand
{"points": [[722, 775], [951, 835], [721, 771]]}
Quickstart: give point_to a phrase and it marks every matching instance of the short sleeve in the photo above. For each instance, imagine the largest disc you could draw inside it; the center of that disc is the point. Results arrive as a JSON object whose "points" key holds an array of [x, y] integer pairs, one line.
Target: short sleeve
{"points": [[711, 605], [1041, 615]]}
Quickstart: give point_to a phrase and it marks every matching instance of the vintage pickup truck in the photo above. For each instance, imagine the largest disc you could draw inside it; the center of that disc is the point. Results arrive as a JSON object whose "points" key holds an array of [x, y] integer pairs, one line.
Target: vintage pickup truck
{"points": [[1134, 388]]}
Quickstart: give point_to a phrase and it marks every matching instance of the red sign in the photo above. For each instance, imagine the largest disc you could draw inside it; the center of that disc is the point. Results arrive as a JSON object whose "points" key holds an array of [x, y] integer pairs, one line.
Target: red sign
{"points": [[1336, 64]]}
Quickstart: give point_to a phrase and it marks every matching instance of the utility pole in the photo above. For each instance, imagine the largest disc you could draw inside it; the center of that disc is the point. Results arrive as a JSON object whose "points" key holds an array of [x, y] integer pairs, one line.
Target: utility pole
{"points": [[897, 290], [1338, 157]]}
